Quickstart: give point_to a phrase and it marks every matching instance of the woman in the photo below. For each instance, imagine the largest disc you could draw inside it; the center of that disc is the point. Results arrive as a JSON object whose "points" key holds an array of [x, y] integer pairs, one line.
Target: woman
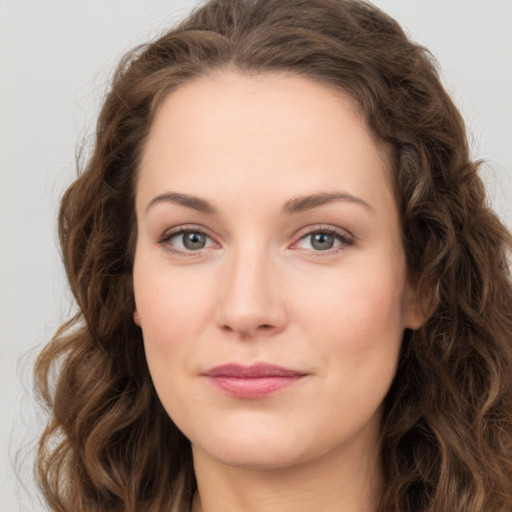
{"points": [[292, 293]]}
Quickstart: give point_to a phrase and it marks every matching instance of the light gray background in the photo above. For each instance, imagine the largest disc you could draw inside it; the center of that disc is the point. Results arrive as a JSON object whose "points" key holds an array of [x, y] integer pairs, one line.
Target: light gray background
{"points": [[55, 60]]}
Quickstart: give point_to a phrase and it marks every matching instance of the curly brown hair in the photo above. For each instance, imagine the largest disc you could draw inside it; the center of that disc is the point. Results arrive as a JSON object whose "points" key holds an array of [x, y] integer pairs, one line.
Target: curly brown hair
{"points": [[447, 422]]}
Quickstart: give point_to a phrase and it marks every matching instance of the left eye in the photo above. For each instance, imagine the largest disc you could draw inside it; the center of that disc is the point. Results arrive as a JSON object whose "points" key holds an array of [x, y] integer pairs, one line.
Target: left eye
{"points": [[322, 241], [190, 240]]}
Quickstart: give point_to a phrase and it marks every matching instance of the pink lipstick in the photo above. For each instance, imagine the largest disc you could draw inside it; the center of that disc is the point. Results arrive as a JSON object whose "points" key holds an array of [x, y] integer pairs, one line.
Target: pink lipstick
{"points": [[255, 381]]}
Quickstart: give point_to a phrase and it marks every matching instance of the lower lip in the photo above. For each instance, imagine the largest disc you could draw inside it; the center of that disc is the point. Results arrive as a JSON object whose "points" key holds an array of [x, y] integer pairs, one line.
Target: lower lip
{"points": [[253, 387]]}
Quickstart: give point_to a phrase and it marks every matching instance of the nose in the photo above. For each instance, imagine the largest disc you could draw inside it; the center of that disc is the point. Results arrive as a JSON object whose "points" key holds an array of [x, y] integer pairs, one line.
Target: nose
{"points": [[251, 297]]}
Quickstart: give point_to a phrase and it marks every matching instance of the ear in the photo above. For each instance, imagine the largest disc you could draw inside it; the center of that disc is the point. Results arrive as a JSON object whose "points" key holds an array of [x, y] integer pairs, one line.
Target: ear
{"points": [[136, 318], [420, 304]]}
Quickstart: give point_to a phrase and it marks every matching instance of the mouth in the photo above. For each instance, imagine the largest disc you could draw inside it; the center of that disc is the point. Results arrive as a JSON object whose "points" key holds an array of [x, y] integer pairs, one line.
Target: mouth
{"points": [[252, 382]]}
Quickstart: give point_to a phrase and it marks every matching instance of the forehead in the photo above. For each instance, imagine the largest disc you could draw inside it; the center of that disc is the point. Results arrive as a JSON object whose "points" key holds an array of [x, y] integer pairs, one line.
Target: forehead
{"points": [[255, 129]]}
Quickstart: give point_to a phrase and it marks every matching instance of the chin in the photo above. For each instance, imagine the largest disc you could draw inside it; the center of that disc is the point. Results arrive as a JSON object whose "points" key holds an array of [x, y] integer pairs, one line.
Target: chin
{"points": [[255, 455], [260, 446], [264, 441]]}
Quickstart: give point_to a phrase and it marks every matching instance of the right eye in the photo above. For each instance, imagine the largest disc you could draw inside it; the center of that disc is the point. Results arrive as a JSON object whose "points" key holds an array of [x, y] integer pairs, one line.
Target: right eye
{"points": [[186, 240]]}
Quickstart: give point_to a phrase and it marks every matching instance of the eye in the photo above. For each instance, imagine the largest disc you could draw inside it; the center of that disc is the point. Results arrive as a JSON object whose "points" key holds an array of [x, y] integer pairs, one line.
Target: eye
{"points": [[323, 239], [186, 240]]}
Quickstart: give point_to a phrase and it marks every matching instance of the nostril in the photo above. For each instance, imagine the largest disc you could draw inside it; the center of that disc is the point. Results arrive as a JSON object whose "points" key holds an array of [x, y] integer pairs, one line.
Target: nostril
{"points": [[248, 332]]}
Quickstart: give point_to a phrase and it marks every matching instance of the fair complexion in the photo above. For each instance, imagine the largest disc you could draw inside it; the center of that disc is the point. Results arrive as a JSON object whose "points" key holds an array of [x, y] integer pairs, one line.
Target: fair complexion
{"points": [[268, 234]]}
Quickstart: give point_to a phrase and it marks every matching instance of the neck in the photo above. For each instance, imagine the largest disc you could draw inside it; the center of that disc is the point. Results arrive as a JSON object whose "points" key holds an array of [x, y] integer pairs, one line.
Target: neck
{"points": [[339, 481]]}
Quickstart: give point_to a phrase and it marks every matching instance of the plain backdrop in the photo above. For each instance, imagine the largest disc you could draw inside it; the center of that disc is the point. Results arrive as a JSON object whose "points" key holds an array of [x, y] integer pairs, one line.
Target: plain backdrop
{"points": [[56, 57]]}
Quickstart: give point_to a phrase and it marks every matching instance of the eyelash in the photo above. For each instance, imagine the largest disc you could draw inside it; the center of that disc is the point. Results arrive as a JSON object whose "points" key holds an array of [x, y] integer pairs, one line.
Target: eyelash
{"points": [[346, 239], [168, 235]]}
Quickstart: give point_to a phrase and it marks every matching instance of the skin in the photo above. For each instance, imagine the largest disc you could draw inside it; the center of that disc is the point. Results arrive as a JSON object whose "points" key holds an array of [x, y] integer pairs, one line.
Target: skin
{"points": [[259, 290]]}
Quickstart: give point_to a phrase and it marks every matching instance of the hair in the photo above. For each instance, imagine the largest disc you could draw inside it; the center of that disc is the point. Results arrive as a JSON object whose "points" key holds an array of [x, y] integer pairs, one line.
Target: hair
{"points": [[447, 420]]}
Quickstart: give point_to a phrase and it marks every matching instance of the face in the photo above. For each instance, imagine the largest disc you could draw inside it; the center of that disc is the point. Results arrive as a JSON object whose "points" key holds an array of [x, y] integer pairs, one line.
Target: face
{"points": [[269, 275]]}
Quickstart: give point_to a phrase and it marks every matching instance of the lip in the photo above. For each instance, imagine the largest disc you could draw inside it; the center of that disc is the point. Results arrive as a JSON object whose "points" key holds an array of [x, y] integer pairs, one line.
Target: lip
{"points": [[255, 381]]}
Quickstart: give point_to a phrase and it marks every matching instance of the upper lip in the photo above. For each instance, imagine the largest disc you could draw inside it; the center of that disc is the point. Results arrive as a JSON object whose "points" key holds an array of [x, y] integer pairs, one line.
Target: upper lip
{"points": [[254, 371]]}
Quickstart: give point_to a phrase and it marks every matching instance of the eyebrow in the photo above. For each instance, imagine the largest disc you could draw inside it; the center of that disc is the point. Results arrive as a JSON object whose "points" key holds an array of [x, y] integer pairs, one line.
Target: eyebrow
{"points": [[293, 205], [303, 203], [195, 203]]}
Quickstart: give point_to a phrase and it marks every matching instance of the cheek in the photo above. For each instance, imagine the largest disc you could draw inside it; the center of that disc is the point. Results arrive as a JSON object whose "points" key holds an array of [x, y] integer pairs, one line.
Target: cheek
{"points": [[173, 310], [357, 334], [355, 321], [168, 297], [355, 299]]}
